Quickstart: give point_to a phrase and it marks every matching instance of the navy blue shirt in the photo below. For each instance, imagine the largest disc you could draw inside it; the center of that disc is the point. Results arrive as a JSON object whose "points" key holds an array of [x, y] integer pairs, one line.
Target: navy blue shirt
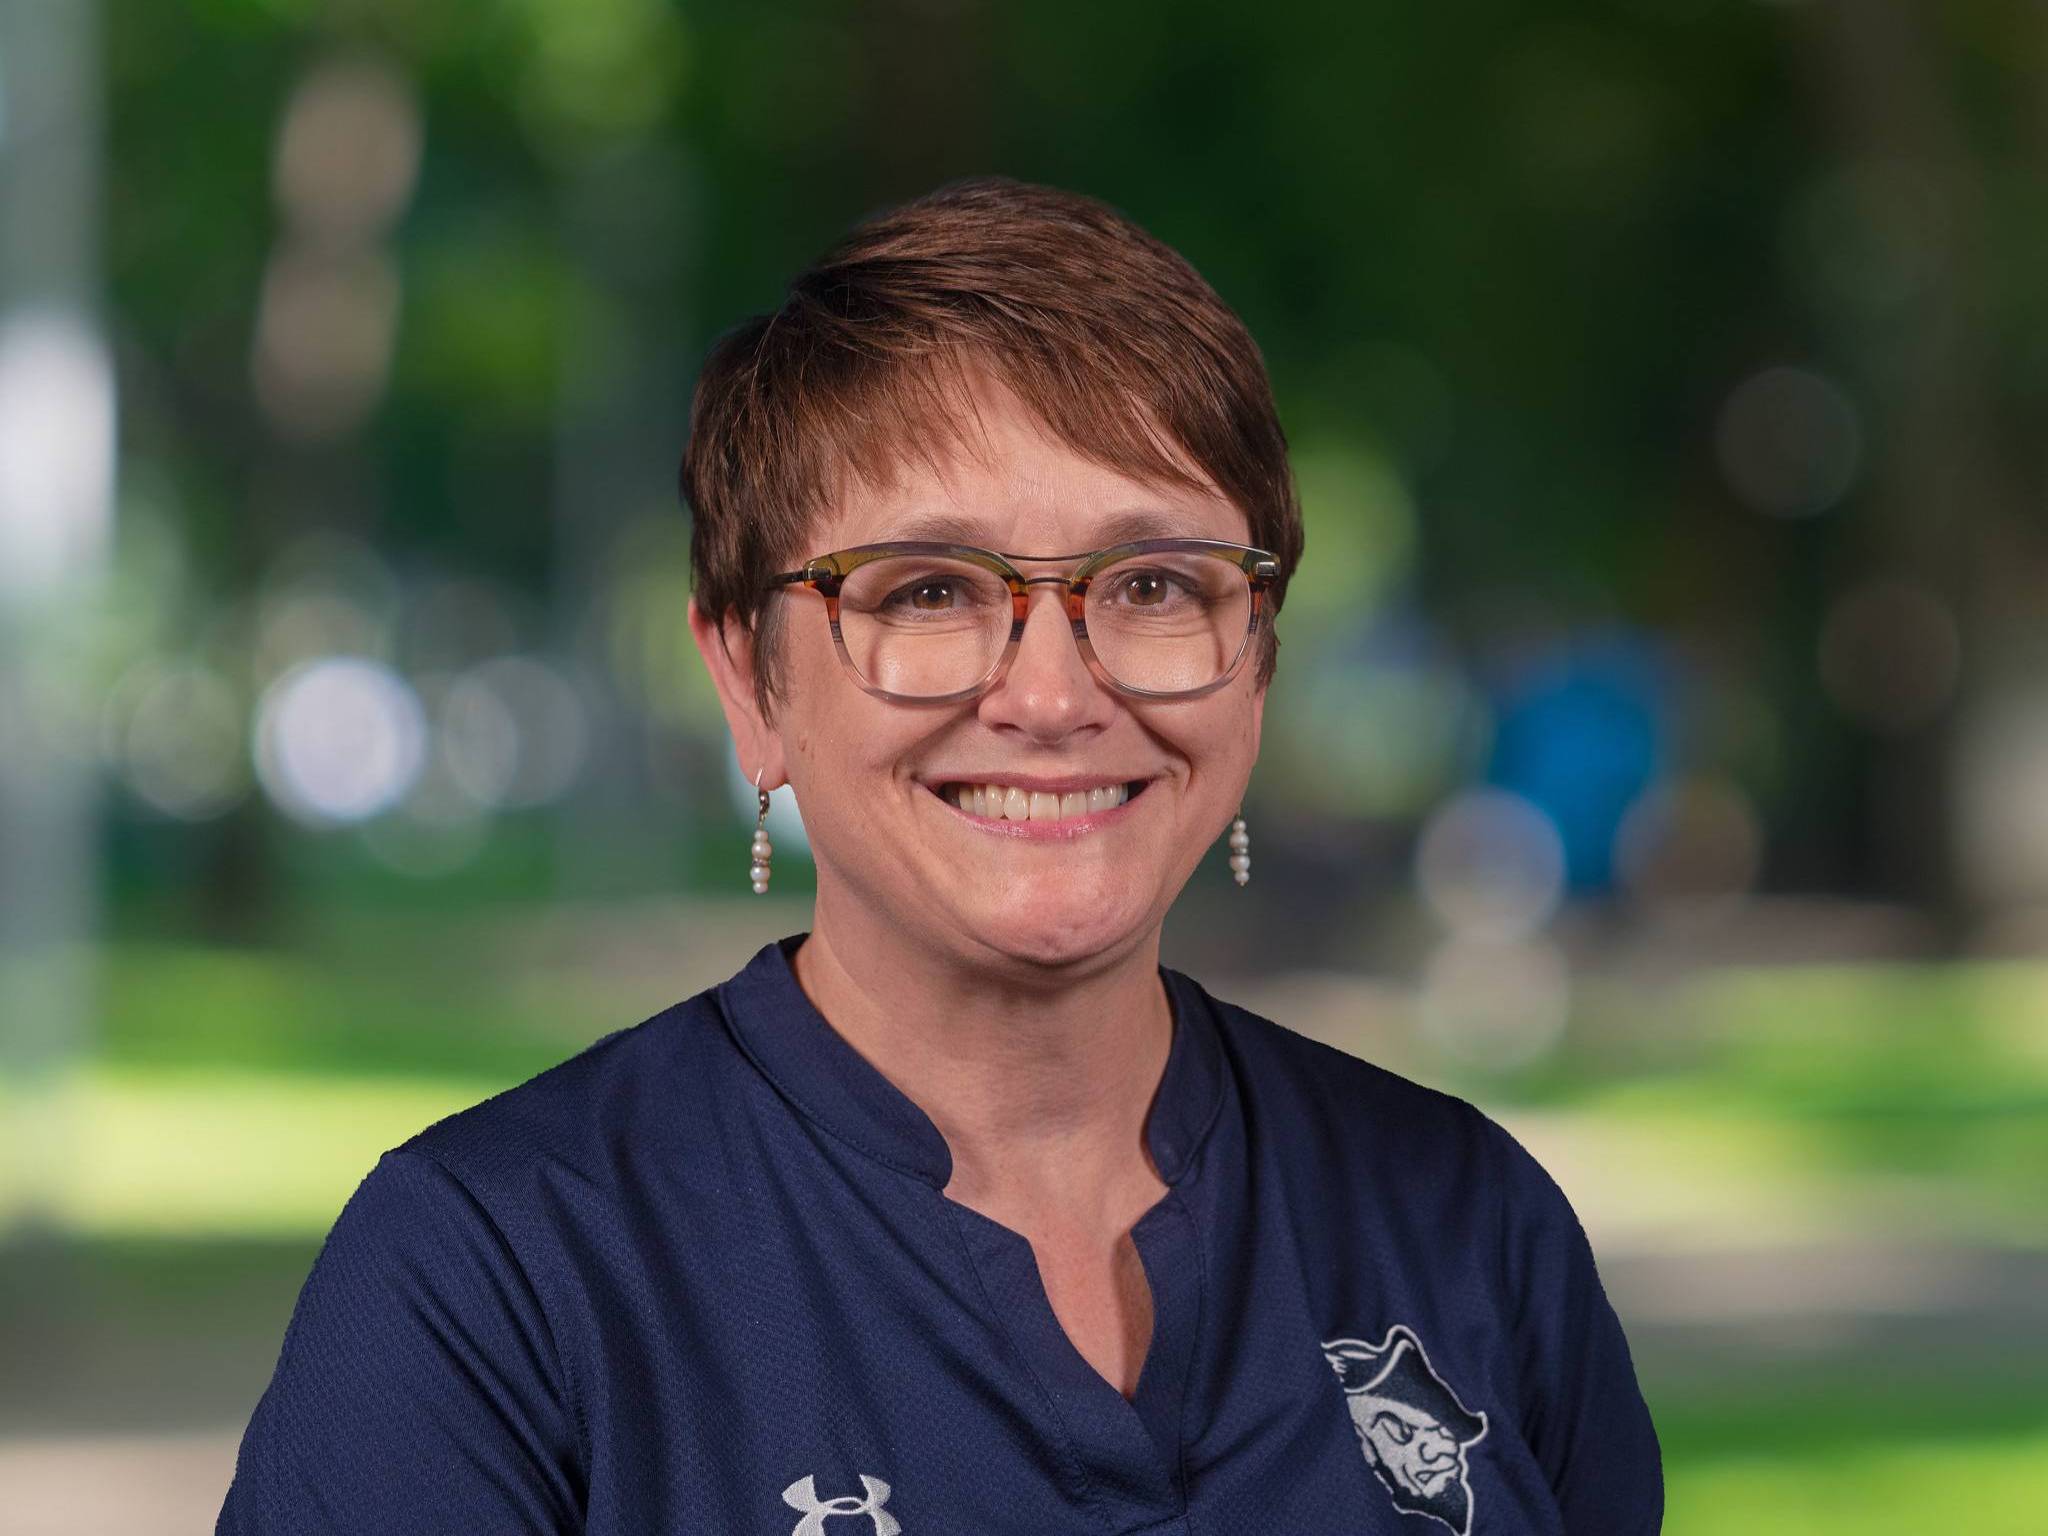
{"points": [[703, 1278]]}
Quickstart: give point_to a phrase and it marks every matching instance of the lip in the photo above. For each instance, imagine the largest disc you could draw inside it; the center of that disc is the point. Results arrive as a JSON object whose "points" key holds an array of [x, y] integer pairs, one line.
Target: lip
{"points": [[1065, 829]]}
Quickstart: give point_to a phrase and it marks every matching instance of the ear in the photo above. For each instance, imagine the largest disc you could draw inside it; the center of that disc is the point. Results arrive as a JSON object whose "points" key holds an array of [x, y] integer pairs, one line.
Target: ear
{"points": [[728, 653]]}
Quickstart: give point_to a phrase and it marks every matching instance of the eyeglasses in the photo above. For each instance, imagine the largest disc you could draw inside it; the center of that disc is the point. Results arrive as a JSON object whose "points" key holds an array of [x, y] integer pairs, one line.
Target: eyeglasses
{"points": [[930, 623]]}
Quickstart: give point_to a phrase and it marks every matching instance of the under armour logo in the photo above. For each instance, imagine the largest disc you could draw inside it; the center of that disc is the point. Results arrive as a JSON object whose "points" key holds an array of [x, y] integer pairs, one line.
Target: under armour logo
{"points": [[803, 1494]]}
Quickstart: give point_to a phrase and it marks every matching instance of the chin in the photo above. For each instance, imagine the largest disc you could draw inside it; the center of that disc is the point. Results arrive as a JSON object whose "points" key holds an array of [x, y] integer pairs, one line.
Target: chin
{"points": [[1059, 931]]}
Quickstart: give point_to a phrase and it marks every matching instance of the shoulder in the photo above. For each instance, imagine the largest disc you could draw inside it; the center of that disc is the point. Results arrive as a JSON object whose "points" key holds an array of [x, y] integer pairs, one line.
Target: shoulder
{"points": [[1340, 1111], [626, 1095], [1282, 1069]]}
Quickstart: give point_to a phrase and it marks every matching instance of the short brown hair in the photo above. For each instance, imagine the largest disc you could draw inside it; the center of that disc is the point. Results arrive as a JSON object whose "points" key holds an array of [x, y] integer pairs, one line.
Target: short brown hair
{"points": [[1106, 333]]}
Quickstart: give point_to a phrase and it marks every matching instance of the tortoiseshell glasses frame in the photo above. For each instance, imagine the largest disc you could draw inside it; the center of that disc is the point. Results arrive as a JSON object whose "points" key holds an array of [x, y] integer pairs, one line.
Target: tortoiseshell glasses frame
{"points": [[827, 575]]}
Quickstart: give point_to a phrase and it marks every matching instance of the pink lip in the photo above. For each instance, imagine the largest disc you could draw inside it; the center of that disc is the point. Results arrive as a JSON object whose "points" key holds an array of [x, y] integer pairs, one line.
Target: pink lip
{"points": [[1063, 830]]}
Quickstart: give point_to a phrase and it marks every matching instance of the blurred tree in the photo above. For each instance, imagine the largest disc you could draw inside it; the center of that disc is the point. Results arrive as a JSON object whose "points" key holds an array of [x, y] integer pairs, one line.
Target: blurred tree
{"points": [[1527, 258]]}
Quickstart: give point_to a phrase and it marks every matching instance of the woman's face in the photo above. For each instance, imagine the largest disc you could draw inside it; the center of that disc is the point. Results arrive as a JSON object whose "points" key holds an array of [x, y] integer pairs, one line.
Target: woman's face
{"points": [[866, 771]]}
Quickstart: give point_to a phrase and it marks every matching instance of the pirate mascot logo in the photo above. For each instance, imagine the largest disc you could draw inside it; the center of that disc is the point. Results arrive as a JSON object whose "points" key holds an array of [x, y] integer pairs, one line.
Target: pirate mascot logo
{"points": [[1410, 1424]]}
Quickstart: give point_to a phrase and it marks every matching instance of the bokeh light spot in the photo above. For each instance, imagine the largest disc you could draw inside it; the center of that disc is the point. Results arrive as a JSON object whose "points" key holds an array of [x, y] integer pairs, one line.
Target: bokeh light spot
{"points": [[175, 732], [1689, 847], [1495, 1004], [1491, 865], [338, 740], [348, 151], [1789, 442], [1890, 655]]}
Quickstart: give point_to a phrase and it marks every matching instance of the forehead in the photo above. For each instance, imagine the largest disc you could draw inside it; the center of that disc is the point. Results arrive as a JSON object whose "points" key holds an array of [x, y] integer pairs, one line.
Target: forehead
{"points": [[1000, 478], [1400, 1410]]}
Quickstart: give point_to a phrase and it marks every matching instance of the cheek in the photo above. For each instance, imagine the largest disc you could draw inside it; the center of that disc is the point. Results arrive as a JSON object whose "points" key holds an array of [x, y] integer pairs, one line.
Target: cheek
{"points": [[848, 745], [1226, 744], [817, 702]]}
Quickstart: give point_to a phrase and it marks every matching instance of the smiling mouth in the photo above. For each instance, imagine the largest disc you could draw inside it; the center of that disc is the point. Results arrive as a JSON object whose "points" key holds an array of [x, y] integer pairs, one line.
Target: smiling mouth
{"points": [[1007, 802]]}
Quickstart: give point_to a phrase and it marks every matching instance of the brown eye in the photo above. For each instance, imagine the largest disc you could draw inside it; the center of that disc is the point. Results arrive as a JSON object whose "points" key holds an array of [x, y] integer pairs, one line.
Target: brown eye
{"points": [[1145, 589]]}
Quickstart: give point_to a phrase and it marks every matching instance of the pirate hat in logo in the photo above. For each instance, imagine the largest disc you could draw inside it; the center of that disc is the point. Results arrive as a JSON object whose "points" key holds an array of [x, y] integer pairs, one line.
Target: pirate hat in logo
{"points": [[1410, 1425], [1399, 1369]]}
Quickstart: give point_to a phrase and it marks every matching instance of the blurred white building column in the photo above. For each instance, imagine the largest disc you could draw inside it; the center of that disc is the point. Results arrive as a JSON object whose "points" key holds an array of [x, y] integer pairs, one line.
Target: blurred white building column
{"points": [[56, 512]]}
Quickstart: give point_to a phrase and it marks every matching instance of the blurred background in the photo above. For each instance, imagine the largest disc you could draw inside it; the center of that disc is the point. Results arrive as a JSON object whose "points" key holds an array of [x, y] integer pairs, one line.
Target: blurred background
{"points": [[1658, 755]]}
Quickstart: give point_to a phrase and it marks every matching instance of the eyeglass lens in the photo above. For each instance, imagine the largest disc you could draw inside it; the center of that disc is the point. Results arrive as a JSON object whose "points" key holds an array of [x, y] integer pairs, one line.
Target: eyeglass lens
{"points": [[923, 625]]}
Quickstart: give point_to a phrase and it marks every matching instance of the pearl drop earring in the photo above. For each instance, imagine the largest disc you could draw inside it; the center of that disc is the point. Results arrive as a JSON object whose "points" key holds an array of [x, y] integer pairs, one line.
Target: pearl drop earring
{"points": [[1240, 851], [762, 847]]}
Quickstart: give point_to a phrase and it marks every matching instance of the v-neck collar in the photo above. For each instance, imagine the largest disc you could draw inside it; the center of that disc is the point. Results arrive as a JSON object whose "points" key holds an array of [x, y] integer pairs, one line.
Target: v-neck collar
{"points": [[838, 1089]]}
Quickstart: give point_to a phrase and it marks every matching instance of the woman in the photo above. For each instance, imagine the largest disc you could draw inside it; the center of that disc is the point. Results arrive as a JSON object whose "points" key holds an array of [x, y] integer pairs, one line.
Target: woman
{"points": [[960, 1213]]}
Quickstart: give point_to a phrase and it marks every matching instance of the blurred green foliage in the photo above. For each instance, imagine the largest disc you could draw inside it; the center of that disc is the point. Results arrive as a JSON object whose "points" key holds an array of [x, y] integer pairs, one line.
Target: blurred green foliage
{"points": [[1822, 1466], [1507, 265]]}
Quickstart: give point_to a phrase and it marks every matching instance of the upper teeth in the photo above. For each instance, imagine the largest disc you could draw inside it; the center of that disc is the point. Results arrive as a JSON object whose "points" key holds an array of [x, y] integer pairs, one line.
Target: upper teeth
{"points": [[1008, 803]]}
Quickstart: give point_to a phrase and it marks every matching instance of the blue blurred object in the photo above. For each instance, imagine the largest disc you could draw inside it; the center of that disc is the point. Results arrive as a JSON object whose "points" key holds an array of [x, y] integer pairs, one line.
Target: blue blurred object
{"points": [[1580, 733]]}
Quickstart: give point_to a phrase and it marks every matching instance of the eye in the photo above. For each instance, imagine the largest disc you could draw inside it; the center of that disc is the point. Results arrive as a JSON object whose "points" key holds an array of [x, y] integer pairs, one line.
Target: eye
{"points": [[932, 595], [1145, 587], [1396, 1429], [1149, 587]]}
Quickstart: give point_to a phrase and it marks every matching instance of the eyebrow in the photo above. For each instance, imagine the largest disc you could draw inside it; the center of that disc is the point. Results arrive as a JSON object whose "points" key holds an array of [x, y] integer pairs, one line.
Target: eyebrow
{"points": [[1118, 528]]}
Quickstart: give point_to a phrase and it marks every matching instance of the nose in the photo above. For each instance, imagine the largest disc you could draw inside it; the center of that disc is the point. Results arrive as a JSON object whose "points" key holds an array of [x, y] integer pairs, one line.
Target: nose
{"points": [[1048, 691]]}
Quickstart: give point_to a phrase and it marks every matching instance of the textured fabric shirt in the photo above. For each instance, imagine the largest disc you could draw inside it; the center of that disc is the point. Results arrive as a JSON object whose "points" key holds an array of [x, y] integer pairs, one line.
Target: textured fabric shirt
{"points": [[703, 1278]]}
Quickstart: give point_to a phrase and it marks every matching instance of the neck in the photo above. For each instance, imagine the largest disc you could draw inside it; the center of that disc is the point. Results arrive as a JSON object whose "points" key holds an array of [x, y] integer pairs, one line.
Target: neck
{"points": [[1039, 1080]]}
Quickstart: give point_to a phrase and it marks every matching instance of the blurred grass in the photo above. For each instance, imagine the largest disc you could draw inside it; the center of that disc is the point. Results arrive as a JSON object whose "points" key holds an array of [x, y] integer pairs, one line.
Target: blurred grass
{"points": [[1925, 1084], [245, 1090], [1937, 1073], [210, 1151], [1993, 1486], [1815, 1457], [185, 1007]]}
